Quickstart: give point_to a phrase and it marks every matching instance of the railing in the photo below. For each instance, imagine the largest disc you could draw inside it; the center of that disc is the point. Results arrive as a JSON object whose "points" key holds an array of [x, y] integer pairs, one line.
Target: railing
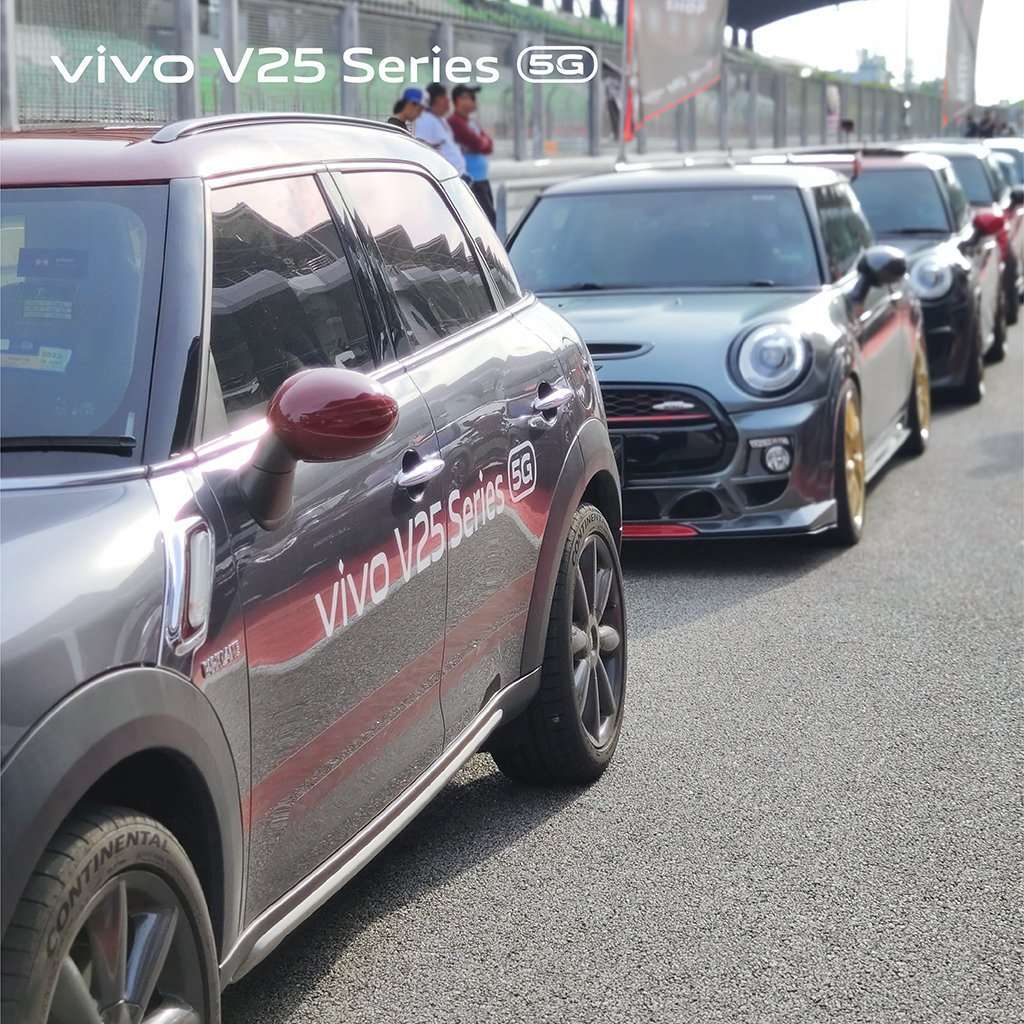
{"points": [[756, 103]]}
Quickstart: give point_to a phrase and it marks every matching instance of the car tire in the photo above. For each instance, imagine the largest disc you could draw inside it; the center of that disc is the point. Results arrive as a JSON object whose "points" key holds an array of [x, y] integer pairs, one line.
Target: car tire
{"points": [[850, 479], [997, 353], [110, 880], [569, 732], [972, 390], [919, 407]]}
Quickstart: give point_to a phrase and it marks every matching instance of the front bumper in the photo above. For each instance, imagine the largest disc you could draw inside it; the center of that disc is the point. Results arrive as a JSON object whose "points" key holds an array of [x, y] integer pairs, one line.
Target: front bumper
{"points": [[949, 337], [740, 498]]}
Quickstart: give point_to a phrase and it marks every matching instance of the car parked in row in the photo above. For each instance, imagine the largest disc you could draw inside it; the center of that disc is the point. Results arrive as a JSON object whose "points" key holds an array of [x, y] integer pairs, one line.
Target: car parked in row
{"points": [[915, 202], [305, 501], [761, 358], [978, 171]]}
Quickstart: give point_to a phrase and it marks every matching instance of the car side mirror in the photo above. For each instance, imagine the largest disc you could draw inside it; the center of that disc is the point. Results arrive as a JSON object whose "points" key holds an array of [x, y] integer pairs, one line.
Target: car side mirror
{"points": [[319, 415], [878, 266], [986, 223], [1017, 196]]}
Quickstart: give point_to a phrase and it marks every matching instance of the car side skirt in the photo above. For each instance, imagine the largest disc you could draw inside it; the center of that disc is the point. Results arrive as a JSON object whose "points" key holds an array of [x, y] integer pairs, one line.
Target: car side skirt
{"points": [[263, 935]]}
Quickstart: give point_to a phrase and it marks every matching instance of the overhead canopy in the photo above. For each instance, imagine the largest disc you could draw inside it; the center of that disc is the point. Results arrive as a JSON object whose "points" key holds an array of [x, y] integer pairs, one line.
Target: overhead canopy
{"points": [[751, 14]]}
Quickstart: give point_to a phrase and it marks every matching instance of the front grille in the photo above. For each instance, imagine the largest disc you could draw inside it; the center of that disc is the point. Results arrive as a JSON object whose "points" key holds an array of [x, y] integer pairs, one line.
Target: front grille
{"points": [[642, 406], [666, 433]]}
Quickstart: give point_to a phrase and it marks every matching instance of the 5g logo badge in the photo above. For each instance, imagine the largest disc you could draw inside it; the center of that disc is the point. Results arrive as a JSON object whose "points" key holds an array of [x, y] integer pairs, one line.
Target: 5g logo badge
{"points": [[522, 471], [563, 65]]}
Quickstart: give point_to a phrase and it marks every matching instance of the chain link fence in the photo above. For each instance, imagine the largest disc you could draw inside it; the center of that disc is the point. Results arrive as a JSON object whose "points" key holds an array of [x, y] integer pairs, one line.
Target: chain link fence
{"points": [[756, 103]]}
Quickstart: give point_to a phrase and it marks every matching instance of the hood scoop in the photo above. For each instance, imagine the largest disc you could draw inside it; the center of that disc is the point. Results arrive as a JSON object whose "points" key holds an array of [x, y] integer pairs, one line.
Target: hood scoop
{"points": [[617, 349]]}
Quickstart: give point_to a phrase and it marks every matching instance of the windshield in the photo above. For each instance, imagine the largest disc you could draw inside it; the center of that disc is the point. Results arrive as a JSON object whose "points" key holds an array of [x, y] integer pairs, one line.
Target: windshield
{"points": [[971, 172], [1016, 165], [901, 201], [688, 238], [79, 290]]}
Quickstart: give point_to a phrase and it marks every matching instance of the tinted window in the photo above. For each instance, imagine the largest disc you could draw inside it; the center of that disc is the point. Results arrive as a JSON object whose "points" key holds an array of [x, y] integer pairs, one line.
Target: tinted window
{"points": [[843, 227], [487, 242], [696, 237], [895, 201], [78, 305], [1017, 160], [971, 172], [957, 197], [435, 276], [1000, 181], [283, 293]]}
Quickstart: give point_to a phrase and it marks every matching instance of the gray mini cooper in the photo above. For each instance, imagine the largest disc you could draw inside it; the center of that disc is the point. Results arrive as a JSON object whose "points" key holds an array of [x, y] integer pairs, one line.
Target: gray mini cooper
{"points": [[304, 502], [761, 359]]}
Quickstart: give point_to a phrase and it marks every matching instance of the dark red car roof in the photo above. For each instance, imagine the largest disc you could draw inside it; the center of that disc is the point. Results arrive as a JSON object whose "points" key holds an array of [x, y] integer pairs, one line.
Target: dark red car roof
{"points": [[205, 148]]}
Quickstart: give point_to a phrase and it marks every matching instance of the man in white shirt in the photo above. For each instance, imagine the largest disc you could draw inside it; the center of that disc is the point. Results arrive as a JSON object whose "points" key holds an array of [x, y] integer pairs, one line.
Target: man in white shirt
{"points": [[433, 129]]}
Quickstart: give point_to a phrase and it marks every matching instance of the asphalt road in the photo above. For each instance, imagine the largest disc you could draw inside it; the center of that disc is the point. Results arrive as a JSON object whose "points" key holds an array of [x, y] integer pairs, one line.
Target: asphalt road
{"points": [[814, 814]]}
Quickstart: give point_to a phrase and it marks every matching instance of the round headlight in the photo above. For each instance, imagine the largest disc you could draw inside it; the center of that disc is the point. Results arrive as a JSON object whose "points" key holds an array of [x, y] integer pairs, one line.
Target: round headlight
{"points": [[931, 278], [772, 358]]}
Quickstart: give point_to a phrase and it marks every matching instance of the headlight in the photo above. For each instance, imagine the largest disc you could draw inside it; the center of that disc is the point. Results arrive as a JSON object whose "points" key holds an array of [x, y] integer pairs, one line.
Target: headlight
{"points": [[931, 278], [772, 358]]}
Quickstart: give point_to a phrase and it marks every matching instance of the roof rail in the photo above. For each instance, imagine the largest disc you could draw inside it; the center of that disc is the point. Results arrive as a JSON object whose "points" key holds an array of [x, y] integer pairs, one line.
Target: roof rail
{"points": [[198, 125]]}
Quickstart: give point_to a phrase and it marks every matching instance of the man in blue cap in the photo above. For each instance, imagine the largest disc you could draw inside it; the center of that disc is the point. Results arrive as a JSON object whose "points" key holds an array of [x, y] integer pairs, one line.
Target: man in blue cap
{"points": [[408, 107]]}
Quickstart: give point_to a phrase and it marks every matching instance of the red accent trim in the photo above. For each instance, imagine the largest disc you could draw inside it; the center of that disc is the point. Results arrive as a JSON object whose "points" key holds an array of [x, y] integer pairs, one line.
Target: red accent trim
{"points": [[648, 531], [690, 416]]}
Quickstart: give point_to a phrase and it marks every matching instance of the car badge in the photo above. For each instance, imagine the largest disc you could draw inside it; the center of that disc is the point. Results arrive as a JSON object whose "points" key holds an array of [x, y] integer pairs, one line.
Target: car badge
{"points": [[676, 405]]}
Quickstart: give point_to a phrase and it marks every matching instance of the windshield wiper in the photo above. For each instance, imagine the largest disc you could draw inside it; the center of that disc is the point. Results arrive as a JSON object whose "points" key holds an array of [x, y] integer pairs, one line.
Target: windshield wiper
{"points": [[760, 282], [116, 444], [915, 231], [582, 286]]}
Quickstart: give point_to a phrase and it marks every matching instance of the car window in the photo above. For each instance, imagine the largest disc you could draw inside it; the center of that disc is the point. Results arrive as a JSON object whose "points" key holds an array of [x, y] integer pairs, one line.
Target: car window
{"points": [[843, 228], [957, 198], [487, 242], [437, 281], [971, 172], [284, 297], [1016, 157], [999, 178], [679, 238], [79, 294], [903, 200]]}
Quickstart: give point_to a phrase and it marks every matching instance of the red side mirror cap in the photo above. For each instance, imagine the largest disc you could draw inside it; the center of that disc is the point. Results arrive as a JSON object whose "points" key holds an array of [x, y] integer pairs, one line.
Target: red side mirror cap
{"points": [[988, 223], [327, 414]]}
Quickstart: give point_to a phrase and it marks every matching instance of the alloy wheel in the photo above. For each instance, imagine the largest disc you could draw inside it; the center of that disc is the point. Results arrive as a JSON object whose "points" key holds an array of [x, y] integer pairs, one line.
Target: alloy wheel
{"points": [[597, 626], [853, 450], [133, 960]]}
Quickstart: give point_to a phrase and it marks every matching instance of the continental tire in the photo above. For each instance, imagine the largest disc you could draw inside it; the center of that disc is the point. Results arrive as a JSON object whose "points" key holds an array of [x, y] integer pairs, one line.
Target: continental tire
{"points": [[569, 732], [111, 927]]}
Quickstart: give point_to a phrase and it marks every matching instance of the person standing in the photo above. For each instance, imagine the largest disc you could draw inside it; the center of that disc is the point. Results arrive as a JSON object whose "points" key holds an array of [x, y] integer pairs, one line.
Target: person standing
{"points": [[408, 107], [475, 143], [432, 128]]}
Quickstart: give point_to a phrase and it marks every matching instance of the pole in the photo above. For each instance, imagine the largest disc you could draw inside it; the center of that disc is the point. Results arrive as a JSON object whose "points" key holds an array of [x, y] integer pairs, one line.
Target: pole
{"points": [[627, 74], [9, 83]]}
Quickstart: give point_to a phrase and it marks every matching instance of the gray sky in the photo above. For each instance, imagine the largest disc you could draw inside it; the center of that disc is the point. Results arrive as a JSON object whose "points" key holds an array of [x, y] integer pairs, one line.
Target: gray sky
{"points": [[830, 38]]}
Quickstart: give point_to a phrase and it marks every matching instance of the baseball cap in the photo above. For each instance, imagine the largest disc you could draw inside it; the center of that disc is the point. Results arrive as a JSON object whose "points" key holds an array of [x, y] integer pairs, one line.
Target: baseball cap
{"points": [[461, 90], [413, 95]]}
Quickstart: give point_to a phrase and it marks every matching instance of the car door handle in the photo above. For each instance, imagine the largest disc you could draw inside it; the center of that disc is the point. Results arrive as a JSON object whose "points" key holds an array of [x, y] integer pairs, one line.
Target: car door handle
{"points": [[552, 400], [419, 473]]}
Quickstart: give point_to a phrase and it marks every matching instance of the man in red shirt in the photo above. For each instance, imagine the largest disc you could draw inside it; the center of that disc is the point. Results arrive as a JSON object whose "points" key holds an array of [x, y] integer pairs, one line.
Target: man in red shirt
{"points": [[475, 143]]}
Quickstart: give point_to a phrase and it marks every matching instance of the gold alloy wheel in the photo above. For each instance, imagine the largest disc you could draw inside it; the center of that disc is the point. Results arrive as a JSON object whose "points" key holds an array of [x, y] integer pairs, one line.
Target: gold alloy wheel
{"points": [[923, 391], [853, 450]]}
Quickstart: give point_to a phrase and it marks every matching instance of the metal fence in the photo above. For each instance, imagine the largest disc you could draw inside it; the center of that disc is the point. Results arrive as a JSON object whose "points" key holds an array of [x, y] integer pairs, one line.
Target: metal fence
{"points": [[756, 103]]}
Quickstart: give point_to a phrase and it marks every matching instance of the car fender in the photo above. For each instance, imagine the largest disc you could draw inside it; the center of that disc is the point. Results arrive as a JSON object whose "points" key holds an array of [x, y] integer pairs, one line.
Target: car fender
{"points": [[590, 454], [97, 726]]}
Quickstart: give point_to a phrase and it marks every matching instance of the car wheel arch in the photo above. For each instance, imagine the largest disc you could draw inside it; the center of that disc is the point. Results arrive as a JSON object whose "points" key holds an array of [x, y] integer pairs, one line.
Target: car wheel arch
{"points": [[81, 750]]}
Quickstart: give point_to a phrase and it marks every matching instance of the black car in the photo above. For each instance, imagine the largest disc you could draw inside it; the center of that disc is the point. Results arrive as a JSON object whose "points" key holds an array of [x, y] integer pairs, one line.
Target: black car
{"points": [[915, 201], [304, 501], [760, 357], [976, 167]]}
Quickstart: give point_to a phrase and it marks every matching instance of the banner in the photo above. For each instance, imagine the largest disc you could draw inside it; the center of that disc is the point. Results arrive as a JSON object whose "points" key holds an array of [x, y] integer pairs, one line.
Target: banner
{"points": [[673, 52], [961, 59]]}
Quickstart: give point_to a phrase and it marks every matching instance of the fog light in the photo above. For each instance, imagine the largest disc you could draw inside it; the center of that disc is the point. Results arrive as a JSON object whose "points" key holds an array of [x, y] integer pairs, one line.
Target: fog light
{"points": [[777, 458]]}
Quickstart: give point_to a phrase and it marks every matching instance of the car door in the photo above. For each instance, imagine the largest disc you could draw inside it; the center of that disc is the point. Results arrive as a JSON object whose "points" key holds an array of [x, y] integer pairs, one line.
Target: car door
{"points": [[344, 603], [497, 397], [877, 316]]}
